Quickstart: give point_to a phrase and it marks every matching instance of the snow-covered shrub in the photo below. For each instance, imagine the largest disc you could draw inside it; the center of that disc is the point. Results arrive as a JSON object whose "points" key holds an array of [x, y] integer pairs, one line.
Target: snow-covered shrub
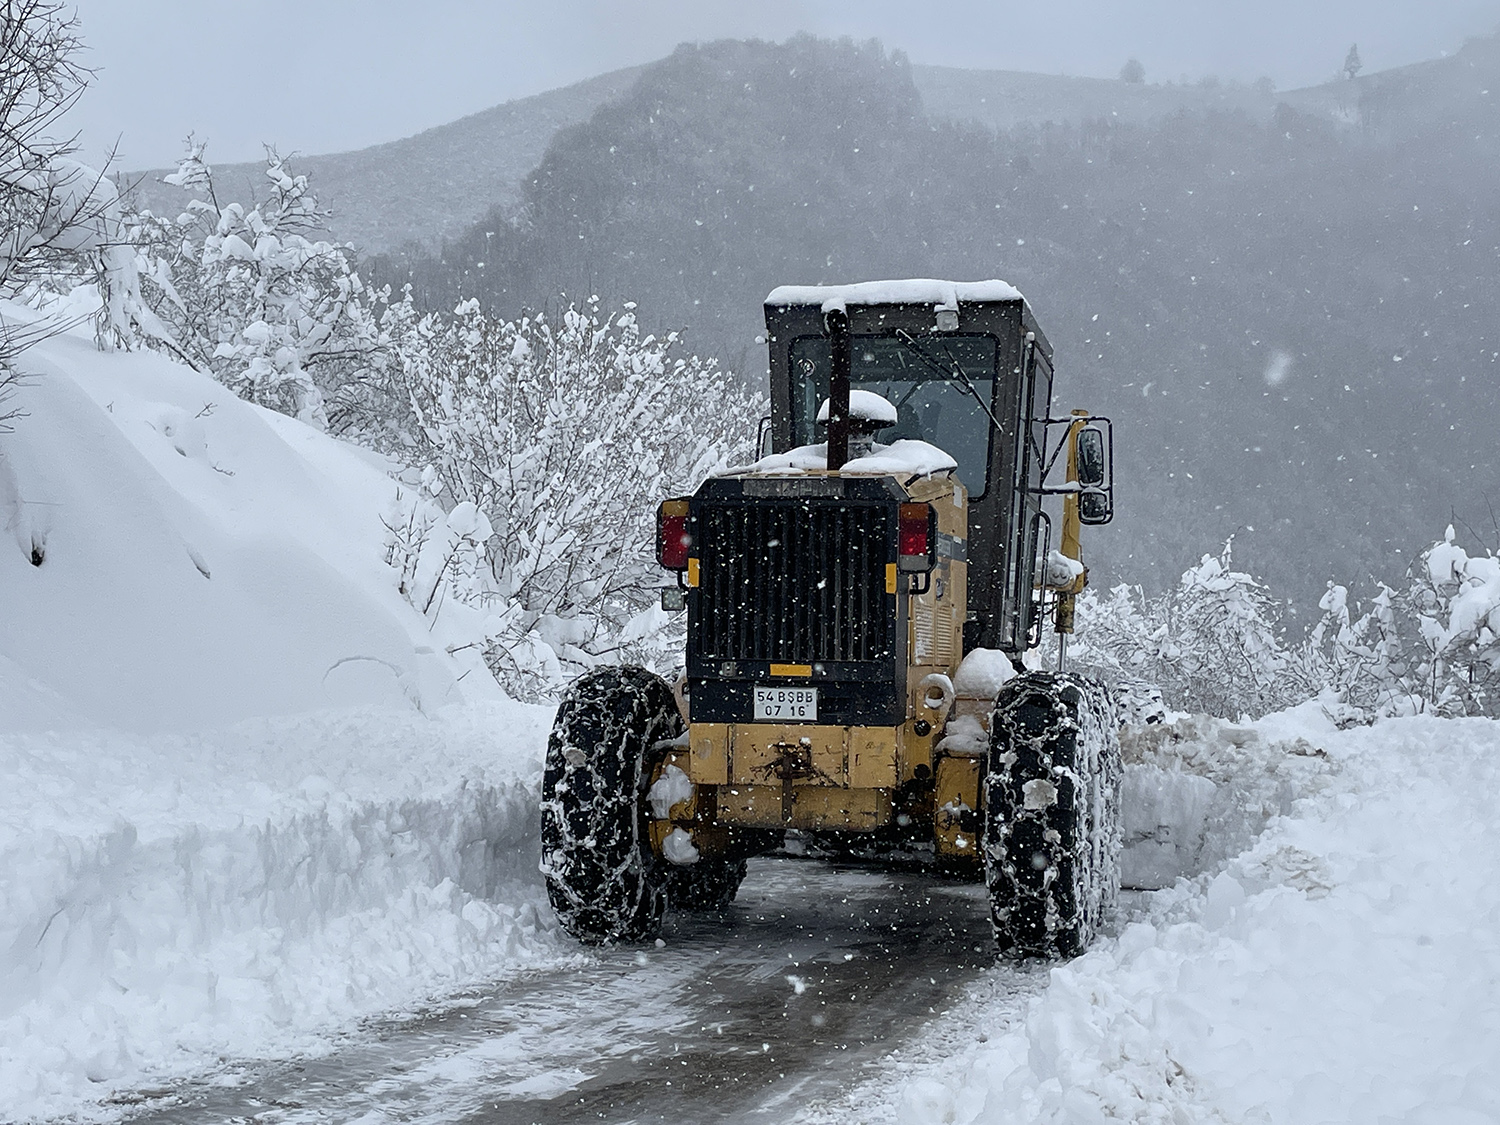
{"points": [[1357, 656], [1431, 646], [1213, 643], [253, 295], [1226, 655], [1455, 606], [1118, 634], [565, 434]]}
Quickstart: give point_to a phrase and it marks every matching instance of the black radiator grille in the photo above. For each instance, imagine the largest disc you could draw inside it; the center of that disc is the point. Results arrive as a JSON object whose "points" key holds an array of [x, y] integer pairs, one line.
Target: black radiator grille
{"points": [[794, 582]]}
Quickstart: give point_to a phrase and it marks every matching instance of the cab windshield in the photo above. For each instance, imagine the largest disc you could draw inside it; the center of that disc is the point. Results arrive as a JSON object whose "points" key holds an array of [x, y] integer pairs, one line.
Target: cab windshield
{"points": [[920, 377]]}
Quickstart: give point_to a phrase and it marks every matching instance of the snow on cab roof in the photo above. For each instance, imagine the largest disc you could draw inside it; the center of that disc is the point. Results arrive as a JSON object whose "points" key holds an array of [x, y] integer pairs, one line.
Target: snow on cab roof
{"points": [[909, 291]]}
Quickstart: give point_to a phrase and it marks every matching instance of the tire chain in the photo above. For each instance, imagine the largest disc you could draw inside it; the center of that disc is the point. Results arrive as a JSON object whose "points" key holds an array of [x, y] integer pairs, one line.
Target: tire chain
{"points": [[1052, 863], [603, 880]]}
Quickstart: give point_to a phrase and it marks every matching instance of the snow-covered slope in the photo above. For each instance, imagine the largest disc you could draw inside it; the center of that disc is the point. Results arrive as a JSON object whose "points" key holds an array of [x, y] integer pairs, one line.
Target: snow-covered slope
{"points": [[247, 795], [174, 557]]}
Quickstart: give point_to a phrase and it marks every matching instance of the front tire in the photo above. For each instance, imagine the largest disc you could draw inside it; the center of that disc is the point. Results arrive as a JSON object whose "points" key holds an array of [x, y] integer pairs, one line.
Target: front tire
{"points": [[1052, 822], [604, 882]]}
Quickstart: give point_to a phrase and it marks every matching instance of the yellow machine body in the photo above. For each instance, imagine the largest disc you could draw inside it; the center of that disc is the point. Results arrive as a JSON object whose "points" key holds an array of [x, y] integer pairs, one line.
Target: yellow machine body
{"points": [[852, 778], [920, 779]]}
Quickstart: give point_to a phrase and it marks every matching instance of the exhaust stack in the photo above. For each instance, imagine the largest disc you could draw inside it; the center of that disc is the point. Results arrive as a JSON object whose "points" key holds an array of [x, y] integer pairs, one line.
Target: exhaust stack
{"points": [[836, 324]]}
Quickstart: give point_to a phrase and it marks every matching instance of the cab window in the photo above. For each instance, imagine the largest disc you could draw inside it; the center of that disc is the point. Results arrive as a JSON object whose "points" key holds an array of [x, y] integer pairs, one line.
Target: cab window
{"points": [[919, 375]]}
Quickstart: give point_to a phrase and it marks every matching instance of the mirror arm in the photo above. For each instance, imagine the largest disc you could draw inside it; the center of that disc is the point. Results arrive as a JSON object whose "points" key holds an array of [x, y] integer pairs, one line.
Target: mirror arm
{"points": [[1052, 462]]}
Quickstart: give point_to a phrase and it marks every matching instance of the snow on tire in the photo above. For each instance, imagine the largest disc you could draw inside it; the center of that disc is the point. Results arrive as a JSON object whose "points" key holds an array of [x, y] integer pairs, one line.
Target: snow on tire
{"points": [[1052, 814], [603, 880]]}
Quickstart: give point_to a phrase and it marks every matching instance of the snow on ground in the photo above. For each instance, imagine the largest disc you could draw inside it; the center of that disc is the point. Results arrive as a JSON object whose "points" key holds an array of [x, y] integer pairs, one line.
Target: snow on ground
{"points": [[1344, 967], [175, 898], [249, 794]]}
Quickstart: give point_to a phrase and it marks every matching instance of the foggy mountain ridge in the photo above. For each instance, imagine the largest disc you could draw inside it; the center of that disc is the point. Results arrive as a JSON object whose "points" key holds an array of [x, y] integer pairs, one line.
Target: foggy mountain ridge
{"points": [[1287, 314], [420, 189], [431, 186], [1004, 99]]}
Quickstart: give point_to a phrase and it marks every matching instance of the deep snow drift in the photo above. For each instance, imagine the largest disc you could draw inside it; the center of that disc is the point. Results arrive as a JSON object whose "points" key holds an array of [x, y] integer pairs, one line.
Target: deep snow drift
{"points": [[1345, 967], [249, 794], [177, 558], [172, 899]]}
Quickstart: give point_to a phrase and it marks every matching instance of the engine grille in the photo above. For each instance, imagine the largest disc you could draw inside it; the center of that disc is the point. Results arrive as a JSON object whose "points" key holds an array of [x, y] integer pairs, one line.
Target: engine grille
{"points": [[794, 582]]}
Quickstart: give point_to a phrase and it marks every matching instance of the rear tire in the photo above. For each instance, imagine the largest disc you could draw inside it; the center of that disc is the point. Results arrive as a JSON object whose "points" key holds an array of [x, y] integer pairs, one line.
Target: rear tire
{"points": [[1052, 821], [603, 880]]}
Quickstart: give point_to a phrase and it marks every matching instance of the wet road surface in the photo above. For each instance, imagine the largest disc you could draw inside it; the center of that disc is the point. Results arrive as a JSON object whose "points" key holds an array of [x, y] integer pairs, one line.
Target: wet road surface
{"points": [[815, 972]]}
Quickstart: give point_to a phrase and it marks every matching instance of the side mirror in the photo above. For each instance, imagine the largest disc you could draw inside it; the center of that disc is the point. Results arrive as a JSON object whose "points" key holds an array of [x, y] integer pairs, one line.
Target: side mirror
{"points": [[763, 438], [1091, 457], [1095, 508], [1095, 457]]}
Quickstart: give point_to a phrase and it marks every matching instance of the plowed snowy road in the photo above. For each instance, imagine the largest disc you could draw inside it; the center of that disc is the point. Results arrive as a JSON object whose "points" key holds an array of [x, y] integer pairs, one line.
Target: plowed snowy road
{"points": [[815, 974]]}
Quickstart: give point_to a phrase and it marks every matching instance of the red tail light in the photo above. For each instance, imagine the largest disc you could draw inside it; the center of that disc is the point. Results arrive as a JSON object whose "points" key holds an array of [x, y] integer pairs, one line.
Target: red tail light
{"points": [[917, 538], [672, 538]]}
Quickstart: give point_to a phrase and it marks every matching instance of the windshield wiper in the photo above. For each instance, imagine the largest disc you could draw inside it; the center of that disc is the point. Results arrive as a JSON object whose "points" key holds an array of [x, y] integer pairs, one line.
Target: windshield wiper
{"points": [[956, 370]]}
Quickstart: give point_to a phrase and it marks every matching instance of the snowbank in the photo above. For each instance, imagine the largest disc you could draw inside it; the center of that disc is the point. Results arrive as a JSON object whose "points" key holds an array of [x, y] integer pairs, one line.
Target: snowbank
{"points": [[250, 795], [1197, 791], [176, 558], [1345, 967], [171, 899]]}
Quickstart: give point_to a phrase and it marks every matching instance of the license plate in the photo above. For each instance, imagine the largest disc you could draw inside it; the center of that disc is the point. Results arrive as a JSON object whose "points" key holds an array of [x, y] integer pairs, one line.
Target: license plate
{"points": [[782, 704]]}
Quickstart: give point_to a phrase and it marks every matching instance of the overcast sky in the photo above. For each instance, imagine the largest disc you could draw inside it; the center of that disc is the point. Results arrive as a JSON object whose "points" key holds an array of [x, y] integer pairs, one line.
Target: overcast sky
{"points": [[327, 75]]}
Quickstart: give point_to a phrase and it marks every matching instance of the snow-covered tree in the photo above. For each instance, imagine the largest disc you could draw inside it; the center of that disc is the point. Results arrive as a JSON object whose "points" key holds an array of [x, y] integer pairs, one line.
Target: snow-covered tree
{"points": [[1352, 65], [51, 207], [1456, 603], [1212, 643], [1228, 657], [564, 435], [1431, 646], [1117, 634], [253, 294]]}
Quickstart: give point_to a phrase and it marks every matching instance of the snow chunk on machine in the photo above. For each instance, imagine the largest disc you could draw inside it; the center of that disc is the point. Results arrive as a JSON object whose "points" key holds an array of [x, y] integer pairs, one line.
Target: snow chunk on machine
{"points": [[858, 604]]}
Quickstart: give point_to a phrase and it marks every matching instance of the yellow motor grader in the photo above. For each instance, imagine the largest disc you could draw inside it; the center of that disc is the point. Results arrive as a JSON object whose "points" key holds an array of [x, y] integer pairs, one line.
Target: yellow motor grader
{"points": [[859, 601]]}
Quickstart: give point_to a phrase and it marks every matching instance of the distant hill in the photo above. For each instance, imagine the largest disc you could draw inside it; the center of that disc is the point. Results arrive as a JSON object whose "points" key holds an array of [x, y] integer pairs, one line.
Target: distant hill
{"points": [[425, 188], [1289, 313], [1003, 99], [429, 187]]}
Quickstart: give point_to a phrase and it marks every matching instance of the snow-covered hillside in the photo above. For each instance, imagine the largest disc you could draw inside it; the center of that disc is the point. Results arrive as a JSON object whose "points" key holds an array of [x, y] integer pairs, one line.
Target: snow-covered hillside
{"points": [[249, 793], [178, 557]]}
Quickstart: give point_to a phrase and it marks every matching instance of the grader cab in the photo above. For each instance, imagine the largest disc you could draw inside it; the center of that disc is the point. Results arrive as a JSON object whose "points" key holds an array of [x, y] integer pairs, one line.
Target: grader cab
{"points": [[859, 602]]}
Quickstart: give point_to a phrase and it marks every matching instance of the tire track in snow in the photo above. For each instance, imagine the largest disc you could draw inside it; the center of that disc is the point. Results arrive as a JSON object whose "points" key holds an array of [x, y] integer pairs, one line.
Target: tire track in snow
{"points": [[802, 990]]}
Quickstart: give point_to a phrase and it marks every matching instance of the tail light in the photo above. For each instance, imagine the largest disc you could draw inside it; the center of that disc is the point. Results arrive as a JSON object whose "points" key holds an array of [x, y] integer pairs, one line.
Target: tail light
{"points": [[917, 538], [672, 538]]}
